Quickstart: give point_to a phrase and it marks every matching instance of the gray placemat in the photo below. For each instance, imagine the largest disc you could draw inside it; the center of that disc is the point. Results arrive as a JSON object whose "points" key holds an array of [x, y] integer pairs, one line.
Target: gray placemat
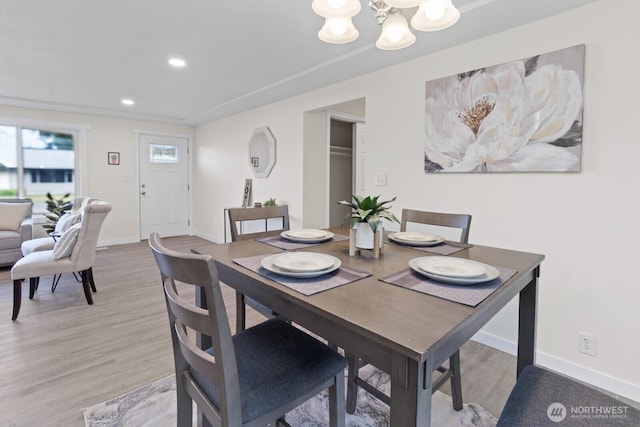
{"points": [[282, 243], [445, 248], [309, 286], [471, 295]]}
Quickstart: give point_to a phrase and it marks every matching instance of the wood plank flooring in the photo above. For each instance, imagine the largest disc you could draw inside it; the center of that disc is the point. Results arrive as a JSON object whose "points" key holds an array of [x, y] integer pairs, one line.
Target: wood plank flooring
{"points": [[63, 355]]}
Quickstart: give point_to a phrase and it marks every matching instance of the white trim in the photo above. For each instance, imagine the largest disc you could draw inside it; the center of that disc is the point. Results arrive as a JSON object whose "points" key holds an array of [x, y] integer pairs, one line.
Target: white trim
{"points": [[582, 373]]}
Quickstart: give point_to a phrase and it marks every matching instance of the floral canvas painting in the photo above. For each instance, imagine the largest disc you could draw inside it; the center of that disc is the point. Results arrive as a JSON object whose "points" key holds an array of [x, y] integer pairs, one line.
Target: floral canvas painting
{"points": [[521, 116]]}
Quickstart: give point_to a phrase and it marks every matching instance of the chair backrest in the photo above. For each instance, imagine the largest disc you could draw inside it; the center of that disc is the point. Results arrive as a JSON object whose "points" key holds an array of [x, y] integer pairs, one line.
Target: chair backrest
{"points": [[29, 201], [186, 320], [461, 221], [241, 215], [79, 203], [84, 251]]}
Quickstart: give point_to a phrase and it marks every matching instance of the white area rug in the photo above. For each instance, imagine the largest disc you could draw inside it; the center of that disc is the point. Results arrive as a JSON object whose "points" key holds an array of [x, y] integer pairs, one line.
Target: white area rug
{"points": [[153, 405]]}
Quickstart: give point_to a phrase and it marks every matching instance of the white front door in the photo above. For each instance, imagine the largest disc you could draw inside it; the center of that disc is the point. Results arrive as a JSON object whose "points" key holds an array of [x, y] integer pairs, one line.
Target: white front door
{"points": [[164, 185]]}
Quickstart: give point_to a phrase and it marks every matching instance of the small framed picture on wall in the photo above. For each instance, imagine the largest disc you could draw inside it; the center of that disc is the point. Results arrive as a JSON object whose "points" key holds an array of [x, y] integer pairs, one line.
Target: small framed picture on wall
{"points": [[113, 158]]}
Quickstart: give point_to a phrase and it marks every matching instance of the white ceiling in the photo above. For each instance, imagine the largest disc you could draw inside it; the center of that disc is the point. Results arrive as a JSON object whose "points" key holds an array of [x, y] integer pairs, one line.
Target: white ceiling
{"points": [[86, 55]]}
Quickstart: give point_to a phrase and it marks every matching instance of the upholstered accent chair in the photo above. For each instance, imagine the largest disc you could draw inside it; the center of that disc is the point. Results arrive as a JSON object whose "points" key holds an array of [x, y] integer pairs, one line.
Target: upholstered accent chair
{"points": [[74, 251], [251, 378], [16, 227]]}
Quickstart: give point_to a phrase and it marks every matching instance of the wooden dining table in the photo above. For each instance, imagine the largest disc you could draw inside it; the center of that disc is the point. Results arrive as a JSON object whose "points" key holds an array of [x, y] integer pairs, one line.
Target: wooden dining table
{"points": [[407, 334]]}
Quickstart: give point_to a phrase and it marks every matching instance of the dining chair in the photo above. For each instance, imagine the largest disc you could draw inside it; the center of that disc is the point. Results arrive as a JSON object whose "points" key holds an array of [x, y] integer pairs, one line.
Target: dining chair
{"points": [[451, 372], [251, 378], [260, 224], [75, 251]]}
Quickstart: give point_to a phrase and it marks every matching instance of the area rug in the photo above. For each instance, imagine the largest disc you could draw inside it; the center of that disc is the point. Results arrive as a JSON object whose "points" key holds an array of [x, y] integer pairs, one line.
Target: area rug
{"points": [[153, 405]]}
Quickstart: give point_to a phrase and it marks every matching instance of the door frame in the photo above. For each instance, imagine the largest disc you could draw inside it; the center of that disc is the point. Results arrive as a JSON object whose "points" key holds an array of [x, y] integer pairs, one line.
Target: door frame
{"points": [[189, 137]]}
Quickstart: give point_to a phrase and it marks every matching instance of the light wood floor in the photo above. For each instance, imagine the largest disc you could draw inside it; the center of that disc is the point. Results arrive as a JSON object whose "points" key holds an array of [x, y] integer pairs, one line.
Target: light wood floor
{"points": [[63, 355]]}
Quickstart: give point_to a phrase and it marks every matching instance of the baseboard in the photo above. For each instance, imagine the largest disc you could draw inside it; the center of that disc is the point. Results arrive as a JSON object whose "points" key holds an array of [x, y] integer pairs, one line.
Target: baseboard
{"points": [[208, 237], [598, 379], [117, 242]]}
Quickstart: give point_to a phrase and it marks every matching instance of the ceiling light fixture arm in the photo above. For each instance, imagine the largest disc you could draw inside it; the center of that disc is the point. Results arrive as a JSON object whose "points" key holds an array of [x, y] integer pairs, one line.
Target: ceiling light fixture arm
{"points": [[381, 9]]}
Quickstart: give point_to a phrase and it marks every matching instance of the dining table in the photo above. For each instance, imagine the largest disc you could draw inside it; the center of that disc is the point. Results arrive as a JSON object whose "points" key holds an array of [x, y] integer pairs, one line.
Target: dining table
{"points": [[405, 332]]}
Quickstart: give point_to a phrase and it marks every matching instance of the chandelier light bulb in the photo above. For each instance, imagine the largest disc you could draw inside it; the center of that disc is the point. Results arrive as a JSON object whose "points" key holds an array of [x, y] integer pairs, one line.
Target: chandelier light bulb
{"points": [[336, 8], [395, 33], [338, 26], [434, 10], [338, 30]]}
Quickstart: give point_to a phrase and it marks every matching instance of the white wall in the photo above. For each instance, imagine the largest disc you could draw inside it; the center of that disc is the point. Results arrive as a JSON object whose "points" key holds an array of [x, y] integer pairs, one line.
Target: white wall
{"points": [[585, 223], [115, 184]]}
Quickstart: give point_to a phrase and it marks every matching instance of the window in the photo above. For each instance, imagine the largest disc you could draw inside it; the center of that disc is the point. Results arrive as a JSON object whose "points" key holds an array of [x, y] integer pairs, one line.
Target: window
{"points": [[34, 162], [159, 153]]}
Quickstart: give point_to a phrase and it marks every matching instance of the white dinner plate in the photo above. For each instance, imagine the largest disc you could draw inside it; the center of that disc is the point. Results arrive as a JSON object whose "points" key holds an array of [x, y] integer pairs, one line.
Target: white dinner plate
{"points": [[490, 273], [412, 238], [303, 261], [307, 235], [267, 263], [451, 266]]}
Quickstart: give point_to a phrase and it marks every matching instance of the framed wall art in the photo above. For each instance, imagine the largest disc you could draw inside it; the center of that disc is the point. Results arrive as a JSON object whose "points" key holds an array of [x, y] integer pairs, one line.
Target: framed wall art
{"points": [[521, 116], [113, 158]]}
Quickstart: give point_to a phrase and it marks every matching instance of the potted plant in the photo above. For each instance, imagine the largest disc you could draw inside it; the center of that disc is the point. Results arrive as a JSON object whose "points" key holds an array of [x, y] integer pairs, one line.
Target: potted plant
{"points": [[366, 218], [56, 208]]}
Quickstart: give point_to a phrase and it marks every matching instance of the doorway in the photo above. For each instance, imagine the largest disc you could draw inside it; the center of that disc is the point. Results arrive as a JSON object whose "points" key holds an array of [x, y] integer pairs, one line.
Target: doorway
{"points": [[346, 165], [164, 184]]}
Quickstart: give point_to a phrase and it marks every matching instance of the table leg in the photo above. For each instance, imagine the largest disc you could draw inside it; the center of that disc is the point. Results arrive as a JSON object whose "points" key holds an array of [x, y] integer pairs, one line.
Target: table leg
{"points": [[527, 323], [410, 392]]}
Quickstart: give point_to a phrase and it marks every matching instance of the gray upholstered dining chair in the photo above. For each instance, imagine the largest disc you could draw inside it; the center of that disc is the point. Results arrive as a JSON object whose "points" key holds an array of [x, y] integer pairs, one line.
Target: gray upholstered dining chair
{"points": [[75, 251], [248, 379], [261, 222], [452, 372]]}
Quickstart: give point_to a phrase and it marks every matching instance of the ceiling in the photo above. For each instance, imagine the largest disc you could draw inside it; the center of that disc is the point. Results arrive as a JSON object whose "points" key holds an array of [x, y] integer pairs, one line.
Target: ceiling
{"points": [[86, 55]]}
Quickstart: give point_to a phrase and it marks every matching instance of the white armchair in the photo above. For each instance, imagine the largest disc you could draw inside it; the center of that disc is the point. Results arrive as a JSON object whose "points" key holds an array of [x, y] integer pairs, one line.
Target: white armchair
{"points": [[69, 254]]}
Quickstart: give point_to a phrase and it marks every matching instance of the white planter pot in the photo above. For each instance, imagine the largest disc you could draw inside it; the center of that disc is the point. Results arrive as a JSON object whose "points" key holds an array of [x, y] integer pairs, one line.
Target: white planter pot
{"points": [[364, 235]]}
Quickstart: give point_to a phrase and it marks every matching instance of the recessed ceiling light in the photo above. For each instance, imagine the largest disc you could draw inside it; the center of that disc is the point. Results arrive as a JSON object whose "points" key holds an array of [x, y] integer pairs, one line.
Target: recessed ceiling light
{"points": [[127, 101], [177, 62]]}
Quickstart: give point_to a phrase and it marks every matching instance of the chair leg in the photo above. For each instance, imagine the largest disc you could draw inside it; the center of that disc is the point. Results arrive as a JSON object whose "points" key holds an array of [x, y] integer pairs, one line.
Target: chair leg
{"points": [[33, 285], [86, 287], [456, 383], [17, 298], [91, 281], [185, 405], [352, 387], [241, 317], [336, 402]]}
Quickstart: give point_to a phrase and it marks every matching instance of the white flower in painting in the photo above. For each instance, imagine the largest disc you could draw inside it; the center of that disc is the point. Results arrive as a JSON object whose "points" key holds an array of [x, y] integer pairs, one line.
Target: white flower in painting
{"points": [[503, 120]]}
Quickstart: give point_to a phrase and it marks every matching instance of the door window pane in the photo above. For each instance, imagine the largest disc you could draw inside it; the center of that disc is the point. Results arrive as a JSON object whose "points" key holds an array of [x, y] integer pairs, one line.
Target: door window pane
{"points": [[162, 153], [8, 162]]}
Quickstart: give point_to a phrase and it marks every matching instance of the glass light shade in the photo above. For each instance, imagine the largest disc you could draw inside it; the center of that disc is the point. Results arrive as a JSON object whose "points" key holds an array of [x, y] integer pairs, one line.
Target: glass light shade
{"points": [[336, 8], [426, 18], [403, 4], [395, 33], [338, 30]]}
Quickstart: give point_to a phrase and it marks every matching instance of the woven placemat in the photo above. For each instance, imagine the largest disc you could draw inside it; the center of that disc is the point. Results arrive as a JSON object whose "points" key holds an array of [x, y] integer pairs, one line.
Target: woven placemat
{"points": [[470, 295], [282, 243], [309, 286]]}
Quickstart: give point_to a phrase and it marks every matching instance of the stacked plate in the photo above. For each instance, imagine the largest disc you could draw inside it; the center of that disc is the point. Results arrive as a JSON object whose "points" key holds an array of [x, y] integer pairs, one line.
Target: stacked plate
{"points": [[307, 235], [301, 264], [458, 271], [415, 239]]}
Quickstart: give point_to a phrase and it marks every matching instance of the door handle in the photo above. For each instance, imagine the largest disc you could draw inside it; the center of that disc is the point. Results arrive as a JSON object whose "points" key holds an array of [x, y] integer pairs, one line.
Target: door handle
{"points": [[143, 193]]}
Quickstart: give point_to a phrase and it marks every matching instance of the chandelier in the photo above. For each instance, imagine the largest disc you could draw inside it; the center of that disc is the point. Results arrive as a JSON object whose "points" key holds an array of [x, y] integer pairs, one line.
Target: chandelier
{"points": [[432, 15]]}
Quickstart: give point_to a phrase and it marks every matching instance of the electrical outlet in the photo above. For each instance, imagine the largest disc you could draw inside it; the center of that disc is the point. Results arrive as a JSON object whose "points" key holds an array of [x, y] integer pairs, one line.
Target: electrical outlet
{"points": [[587, 343]]}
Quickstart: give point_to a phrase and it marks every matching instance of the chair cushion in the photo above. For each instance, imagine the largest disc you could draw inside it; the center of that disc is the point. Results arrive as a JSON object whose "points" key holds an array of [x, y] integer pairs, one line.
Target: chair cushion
{"points": [[10, 239], [540, 395], [12, 214], [66, 242], [37, 245], [277, 363], [66, 221]]}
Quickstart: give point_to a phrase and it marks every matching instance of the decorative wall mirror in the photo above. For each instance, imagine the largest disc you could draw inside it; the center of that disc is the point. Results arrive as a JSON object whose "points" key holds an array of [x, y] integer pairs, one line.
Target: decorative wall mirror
{"points": [[262, 152]]}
